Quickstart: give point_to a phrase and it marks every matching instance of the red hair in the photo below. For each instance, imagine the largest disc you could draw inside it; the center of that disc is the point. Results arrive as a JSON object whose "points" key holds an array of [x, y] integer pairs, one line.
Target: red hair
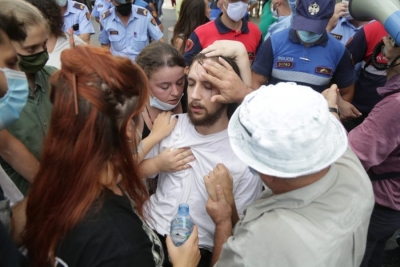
{"points": [[78, 148]]}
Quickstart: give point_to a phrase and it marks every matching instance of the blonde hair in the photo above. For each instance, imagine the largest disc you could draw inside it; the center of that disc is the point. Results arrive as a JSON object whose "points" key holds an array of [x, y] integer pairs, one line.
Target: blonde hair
{"points": [[24, 12]]}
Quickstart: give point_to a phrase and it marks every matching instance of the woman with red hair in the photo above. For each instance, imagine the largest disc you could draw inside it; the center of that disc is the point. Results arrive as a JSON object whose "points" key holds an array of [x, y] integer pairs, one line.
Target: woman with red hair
{"points": [[86, 206]]}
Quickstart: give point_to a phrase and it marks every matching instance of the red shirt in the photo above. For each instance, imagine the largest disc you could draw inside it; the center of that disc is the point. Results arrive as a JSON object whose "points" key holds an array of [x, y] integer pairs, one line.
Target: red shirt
{"points": [[212, 31]]}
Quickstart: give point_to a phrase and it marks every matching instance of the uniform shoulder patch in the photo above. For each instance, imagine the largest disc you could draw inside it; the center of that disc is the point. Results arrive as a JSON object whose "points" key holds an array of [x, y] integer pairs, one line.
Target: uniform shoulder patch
{"points": [[189, 45], [153, 21], [79, 6], [106, 14], [142, 11]]}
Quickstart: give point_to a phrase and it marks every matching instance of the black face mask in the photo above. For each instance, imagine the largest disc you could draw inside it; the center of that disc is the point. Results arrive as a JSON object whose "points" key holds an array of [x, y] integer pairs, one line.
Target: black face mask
{"points": [[124, 9]]}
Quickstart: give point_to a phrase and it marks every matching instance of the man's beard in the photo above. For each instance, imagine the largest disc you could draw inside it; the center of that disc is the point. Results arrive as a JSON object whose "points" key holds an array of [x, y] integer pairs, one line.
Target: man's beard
{"points": [[207, 119]]}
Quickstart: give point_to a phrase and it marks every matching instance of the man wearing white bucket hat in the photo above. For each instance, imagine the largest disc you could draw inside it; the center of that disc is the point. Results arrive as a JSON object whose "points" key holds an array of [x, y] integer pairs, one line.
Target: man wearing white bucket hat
{"points": [[316, 209]]}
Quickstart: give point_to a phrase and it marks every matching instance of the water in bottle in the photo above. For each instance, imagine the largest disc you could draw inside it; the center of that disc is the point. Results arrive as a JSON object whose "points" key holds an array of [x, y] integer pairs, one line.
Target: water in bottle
{"points": [[181, 225]]}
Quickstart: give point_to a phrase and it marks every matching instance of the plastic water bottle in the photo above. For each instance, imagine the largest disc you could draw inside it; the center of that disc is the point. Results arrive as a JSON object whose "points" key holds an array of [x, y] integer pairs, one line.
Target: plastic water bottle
{"points": [[181, 225]]}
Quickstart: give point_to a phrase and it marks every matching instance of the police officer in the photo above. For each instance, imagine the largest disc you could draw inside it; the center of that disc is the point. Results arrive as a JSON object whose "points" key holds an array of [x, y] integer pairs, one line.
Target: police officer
{"points": [[77, 17], [308, 55], [144, 4], [127, 29], [100, 6]]}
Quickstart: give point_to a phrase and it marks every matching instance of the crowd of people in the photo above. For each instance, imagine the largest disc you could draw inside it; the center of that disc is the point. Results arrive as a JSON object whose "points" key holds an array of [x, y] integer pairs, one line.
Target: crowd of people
{"points": [[282, 138]]}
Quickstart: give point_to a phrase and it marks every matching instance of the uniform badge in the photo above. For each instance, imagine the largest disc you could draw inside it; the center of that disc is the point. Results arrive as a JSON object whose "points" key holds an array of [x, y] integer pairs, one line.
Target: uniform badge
{"points": [[324, 70], [337, 36], [153, 21], [113, 32], [79, 6], [251, 55], [142, 11], [88, 16], [284, 64], [100, 5], [189, 45], [313, 9], [105, 14]]}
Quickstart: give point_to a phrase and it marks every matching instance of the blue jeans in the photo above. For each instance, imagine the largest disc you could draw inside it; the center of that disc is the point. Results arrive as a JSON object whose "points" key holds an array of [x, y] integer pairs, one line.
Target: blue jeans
{"points": [[159, 7], [383, 224]]}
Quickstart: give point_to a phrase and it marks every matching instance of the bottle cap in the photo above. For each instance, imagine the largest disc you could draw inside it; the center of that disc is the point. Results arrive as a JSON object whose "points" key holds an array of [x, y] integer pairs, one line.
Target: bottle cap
{"points": [[183, 209]]}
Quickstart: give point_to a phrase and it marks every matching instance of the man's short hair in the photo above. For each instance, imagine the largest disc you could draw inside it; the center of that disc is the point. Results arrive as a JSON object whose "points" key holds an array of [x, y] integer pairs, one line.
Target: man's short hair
{"points": [[231, 107], [201, 57], [13, 28]]}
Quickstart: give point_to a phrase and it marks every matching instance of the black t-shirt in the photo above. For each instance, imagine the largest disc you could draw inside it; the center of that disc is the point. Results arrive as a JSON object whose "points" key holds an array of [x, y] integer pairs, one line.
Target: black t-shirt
{"points": [[112, 235]]}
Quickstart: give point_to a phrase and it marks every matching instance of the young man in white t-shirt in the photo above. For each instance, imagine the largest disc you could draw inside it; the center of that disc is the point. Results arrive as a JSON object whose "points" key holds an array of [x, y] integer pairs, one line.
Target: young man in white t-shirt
{"points": [[204, 131]]}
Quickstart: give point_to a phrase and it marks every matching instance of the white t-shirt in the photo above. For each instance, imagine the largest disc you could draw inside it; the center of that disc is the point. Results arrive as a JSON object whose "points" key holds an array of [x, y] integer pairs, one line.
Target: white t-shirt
{"points": [[187, 186], [61, 44]]}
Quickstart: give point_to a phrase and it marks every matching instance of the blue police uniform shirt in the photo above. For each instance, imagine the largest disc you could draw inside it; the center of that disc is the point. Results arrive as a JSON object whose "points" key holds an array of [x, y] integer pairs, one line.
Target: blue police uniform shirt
{"points": [[283, 58], [283, 22], [344, 30], [128, 40], [144, 4], [101, 6], [77, 14]]}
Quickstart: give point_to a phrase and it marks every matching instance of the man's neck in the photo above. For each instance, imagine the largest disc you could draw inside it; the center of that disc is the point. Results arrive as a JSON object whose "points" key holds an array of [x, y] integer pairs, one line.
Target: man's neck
{"points": [[284, 11], [231, 24], [31, 80], [357, 23], [124, 19], [217, 127]]}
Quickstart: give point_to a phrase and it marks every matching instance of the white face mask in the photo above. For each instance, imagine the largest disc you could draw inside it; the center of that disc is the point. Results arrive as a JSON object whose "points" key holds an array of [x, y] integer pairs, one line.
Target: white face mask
{"points": [[237, 10], [61, 2], [156, 103]]}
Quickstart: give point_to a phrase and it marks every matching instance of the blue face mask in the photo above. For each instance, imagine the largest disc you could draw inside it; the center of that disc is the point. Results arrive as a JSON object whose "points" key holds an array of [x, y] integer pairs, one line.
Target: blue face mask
{"points": [[15, 99], [308, 37]]}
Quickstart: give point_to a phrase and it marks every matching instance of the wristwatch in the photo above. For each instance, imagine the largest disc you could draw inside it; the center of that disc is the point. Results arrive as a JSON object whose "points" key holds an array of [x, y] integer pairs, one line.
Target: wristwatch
{"points": [[334, 110]]}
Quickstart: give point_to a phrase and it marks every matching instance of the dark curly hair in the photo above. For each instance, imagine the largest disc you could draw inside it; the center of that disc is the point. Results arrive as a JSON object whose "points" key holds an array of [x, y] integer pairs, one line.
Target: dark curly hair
{"points": [[52, 13], [13, 28]]}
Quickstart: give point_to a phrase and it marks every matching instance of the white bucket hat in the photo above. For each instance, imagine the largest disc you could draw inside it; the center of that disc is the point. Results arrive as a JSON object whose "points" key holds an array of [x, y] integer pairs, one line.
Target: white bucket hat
{"points": [[286, 131]]}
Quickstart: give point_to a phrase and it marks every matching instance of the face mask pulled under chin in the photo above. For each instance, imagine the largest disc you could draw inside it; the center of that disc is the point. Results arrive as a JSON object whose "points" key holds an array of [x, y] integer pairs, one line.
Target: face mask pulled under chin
{"points": [[124, 9], [308, 37], [12, 103], [237, 10], [156, 103]]}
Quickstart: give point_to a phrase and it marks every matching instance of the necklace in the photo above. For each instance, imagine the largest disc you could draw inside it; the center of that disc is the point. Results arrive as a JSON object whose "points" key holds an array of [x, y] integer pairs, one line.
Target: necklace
{"points": [[148, 113]]}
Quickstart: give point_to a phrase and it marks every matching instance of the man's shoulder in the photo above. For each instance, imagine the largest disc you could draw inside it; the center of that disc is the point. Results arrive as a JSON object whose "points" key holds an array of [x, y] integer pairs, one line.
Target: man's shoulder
{"points": [[77, 7], [47, 71], [205, 28], [107, 14], [253, 28]]}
